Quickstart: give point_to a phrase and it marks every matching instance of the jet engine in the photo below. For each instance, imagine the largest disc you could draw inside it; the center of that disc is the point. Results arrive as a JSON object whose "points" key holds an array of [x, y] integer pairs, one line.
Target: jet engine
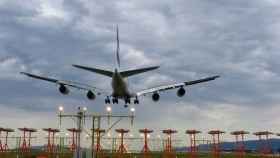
{"points": [[155, 97], [91, 95], [181, 92], [63, 89]]}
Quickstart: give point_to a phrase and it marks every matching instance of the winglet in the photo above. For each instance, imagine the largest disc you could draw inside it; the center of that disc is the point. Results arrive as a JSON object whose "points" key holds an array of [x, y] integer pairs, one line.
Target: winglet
{"points": [[25, 73], [217, 76]]}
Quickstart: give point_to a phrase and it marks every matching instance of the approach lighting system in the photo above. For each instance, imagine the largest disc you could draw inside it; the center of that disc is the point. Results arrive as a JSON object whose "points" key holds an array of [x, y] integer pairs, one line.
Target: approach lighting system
{"points": [[132, 110], [60, 108], [108, 109]]}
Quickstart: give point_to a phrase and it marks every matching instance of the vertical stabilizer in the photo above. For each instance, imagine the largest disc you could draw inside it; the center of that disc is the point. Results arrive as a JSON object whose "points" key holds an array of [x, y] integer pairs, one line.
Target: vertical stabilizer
{"points": [[118, 49]]}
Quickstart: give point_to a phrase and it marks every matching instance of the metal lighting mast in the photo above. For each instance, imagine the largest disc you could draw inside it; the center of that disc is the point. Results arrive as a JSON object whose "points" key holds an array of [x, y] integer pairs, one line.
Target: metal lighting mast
{"points": [[81, 116]]}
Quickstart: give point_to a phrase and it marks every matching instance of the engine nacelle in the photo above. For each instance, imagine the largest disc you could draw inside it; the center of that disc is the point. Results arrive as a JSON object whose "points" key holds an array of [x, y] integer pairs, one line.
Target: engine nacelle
{"points": [[155, 97], [91, 95], [181, 92], [63, 89]]}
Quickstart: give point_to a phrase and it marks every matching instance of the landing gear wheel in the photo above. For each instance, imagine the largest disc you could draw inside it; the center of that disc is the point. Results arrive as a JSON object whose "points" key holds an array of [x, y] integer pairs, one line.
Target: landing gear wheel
{"points": [[115, 101], [125, 106], [136, 101], [107, 100]]}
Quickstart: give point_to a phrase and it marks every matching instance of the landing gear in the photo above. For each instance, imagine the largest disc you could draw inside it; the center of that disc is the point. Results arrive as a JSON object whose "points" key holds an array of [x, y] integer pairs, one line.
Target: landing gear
{"points": [[136, 101], [127, 101], [115, 100], [107, 100]]}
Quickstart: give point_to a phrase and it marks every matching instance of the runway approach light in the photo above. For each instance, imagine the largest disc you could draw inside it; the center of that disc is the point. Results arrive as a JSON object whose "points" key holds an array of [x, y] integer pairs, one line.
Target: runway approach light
{"points": [[132, 109], [60, 108], [109, 109], [109, 135], [84, 109]]}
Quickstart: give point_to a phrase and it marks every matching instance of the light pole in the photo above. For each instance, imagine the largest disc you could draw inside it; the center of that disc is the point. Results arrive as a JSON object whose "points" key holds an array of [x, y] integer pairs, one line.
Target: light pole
{"points": [[81, 115], [107, 115]]}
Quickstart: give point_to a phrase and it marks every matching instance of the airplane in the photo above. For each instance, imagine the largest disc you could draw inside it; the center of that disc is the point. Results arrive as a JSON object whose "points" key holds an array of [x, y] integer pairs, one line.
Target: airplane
{"points": [[120, 89]]}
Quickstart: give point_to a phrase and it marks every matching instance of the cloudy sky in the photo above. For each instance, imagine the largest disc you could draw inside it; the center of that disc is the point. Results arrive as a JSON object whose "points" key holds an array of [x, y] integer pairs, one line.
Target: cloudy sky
{"points": [[189, 39]]}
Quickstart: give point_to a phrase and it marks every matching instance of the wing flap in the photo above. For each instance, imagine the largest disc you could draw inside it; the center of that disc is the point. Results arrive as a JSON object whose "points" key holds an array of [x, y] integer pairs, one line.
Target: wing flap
{"points": [[174, 86], [80, 86]]}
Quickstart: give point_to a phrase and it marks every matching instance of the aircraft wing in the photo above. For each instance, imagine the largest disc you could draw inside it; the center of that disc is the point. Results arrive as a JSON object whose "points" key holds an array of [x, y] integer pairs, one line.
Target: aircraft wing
{"points": [[174, 86], [80, 86]]}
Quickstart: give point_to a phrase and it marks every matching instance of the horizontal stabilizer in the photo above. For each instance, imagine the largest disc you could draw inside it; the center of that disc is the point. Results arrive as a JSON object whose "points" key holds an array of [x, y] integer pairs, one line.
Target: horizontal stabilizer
{"points": [[137, 71], [95, 70]]}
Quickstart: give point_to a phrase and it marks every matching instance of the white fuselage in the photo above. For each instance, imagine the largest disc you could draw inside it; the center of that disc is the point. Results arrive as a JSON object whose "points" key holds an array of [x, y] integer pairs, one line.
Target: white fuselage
{"points": [[120, 86]]}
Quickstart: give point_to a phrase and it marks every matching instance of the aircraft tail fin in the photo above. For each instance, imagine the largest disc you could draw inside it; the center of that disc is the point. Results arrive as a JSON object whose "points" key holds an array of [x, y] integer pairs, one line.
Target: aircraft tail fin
{"points": [[137, 71], [118, 49]]}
